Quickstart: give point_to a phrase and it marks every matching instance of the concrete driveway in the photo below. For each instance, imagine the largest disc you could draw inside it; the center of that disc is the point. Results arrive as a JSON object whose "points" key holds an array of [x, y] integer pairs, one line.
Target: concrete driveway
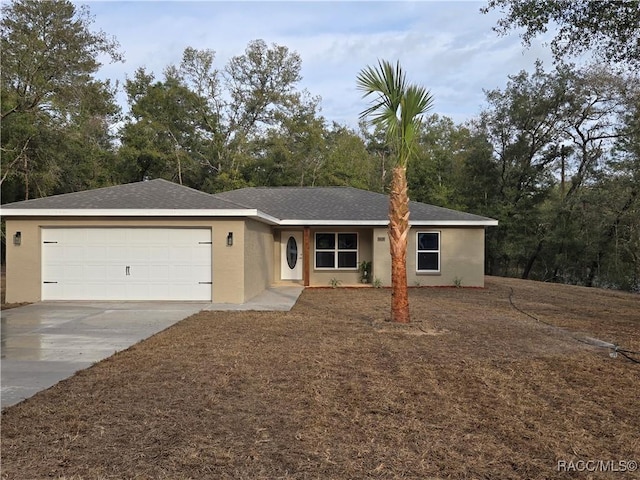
{"points": [[46, 342]]}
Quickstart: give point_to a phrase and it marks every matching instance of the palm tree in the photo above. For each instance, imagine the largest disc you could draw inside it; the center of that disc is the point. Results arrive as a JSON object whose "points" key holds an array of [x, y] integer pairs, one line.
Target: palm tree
{"points": [[397, 108]]}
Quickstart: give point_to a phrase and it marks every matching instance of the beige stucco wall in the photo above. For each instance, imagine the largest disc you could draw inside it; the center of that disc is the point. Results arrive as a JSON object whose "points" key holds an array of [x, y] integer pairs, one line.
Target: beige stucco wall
{"points": [[228, 261], [461, 257], [23, 262], [381, 256], [252, 263], [258, 258], [277, 256]]}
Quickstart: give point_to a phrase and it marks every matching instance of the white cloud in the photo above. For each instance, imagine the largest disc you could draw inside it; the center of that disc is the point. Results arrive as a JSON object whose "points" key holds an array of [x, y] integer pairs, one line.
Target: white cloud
{"points": [[448, 47]]}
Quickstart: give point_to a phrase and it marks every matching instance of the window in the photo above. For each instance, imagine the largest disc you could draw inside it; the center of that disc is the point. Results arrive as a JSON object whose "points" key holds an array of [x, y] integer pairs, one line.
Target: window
{"points": [[428, 252], [337, 250]]}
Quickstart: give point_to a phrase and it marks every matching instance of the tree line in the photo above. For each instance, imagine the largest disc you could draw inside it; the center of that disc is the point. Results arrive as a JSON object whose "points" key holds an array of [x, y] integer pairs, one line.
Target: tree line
{"points": [[554, 156]]}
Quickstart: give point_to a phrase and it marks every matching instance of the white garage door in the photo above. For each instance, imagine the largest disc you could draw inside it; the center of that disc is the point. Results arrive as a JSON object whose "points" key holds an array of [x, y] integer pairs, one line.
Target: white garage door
{"points": [[126, 264]]}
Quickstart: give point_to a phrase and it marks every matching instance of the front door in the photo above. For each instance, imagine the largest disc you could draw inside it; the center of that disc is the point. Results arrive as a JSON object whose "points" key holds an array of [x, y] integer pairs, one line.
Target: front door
{"points": [[291, 256]]}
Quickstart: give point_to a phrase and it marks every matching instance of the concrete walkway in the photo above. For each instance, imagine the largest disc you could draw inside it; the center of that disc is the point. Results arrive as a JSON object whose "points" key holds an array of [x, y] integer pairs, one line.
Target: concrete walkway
{"points": [[46, 342], [280, 298]]}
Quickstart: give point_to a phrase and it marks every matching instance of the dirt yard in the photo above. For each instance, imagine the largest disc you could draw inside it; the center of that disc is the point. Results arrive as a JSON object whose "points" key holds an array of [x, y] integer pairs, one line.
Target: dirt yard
{"points": [[473, 389]]}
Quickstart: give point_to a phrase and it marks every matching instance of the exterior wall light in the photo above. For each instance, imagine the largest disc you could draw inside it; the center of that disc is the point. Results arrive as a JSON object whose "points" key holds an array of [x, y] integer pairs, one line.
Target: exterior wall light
{"points": [[230, 239], [17, 238]]}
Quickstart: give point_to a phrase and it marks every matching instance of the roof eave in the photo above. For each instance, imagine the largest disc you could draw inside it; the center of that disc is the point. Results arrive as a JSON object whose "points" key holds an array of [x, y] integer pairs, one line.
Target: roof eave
{"points": [[488, 222], [138, 212], [334, 223], [240, 212]]}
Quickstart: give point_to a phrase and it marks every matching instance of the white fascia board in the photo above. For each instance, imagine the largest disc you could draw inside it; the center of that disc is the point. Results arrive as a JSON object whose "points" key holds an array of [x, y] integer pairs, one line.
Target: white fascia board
{"points": [[489, 222], [239, 212], [263, 217], [383, 223], [139, 212], [337, 223]]}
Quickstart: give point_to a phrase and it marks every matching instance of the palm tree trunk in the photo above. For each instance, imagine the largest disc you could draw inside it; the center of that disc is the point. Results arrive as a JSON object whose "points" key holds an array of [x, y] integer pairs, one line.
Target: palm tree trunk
{"points": [[398, 233]]}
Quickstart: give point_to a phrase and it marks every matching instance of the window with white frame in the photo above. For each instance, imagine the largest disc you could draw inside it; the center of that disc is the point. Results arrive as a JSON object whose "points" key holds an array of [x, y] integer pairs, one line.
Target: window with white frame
{"points": [[336, 251], [428, 252]]}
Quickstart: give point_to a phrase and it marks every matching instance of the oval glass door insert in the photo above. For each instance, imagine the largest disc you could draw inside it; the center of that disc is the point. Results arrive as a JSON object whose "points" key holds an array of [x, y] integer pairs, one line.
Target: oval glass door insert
{"points": [[292, 253]]}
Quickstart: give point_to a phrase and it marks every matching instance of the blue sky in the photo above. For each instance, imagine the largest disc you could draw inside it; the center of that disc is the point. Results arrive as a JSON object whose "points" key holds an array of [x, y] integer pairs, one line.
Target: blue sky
{"points": [[448, 47]]}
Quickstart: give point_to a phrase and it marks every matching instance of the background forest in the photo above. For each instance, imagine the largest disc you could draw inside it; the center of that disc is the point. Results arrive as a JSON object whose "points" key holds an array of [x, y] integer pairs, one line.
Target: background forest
{"points": [[554, 156]]}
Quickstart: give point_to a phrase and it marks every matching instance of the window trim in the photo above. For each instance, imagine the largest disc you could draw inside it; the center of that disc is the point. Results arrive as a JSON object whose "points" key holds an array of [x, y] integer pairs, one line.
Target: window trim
{"points": [[438, 251], [335, 251]]}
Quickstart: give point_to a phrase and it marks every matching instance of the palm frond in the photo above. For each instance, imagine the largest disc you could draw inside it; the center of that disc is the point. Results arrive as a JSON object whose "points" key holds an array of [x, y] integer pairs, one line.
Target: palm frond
{"points": [[397, 106]]}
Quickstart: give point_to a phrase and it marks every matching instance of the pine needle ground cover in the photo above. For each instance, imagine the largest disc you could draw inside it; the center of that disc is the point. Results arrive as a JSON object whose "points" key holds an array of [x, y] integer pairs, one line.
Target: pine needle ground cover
{"points": [[473, 388]]}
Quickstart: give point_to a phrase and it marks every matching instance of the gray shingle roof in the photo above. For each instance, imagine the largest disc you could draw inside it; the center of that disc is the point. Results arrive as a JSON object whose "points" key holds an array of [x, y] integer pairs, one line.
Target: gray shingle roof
{"points": [[336, 204], [152, 194], [280, 205]]}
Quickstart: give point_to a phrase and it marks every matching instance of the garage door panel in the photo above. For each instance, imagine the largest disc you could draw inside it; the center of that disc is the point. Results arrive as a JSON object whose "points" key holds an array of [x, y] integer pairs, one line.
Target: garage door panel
{"points": [[86, 236], [162, 237], [54, 272], [97, 253], [190, 293], [183, 273], [112, 291], [91, 273], [52, 291], [183, 237], [64, 254], [114, 273], [86, 291], [91, 264], [158, 254], [160, 273], [139, 272], [136, 290], [115, 252], [136, 254], [181, 254]]}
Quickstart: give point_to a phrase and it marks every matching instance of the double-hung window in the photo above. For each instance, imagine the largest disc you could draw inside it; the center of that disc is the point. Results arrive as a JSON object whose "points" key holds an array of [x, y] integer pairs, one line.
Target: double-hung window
{"points": [[428, 252], [336, 251]]}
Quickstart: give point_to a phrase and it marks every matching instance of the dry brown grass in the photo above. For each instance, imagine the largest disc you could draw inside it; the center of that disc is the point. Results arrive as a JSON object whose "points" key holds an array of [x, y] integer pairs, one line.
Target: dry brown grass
{"points": [[472, 389]]}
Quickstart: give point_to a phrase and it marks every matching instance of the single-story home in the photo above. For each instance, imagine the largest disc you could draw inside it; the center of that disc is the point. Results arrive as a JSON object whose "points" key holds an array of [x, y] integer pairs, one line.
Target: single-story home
{"points": [[156, 240]]}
